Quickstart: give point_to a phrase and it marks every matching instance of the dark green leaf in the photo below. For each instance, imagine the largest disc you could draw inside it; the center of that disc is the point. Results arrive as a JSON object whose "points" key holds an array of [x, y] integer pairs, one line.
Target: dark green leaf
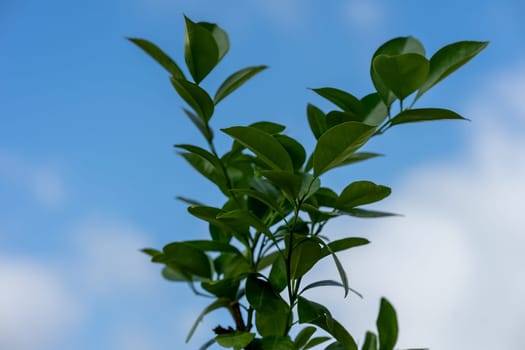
{"points": [[323, 283], [448, 59], [315, 341], [220, 36], [269, 127], [304, 256], [423, 115], [334, 118], [370, 342], [402, 74], [234, 81], [200, 124], [217, 304], [294, 186], [236, 340], [344, 100], [225, 288], [375, 109], [174, 274], [278, 277], [205, 168], [343, 244], [195, 97], [387, 326], [338, 143], [294, 149], [360, 193], [212, 246], [316, 120], [150, 251], [188, 200], [359, 157], [160, 56], [303, 336], [207, 344], [268, 260], [365, 213], [260, 196], [335, 346], [264, 145], [201, 51], [189, 258], [260, 294], [277, 343], [395, 46]]}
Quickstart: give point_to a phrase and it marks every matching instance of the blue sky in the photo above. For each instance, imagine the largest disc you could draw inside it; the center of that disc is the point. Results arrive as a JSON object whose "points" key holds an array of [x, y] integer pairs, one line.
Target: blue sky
{"points": [[88, 174]]}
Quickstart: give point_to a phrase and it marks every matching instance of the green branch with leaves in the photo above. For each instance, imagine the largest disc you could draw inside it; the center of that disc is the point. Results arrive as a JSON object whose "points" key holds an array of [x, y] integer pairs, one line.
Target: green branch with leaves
{"points": [[268, 234]]}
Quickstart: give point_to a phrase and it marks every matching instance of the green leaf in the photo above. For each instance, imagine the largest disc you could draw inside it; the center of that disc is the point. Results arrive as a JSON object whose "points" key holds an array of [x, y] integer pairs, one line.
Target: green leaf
{"points": [[335, 346], [303, 336], [423, 115], [370, 342], [201, 152], [213, 246], [217, 304], [337, 262], [260, 196], [260, 294], [334, 118], [343, 244], [264, 145], [316, 120], [294, 186], [200, 124], [339, 143], [315, 341], [188, 258], [344, 100], [375, 109], [150, 251], [402, 74], [160, 56], [206, 169], [365, 213], [323, 283], [269, 127], [224, 288], [234, 81], [395, 46], [268, 260], [448, 59], [359, 157], [387, 326], [201, 51], [360, 193], [294, 148], [304, 256], [277, 343], [174, 274], [220, 36], [195, 97], [278, 277], [236, 340]]}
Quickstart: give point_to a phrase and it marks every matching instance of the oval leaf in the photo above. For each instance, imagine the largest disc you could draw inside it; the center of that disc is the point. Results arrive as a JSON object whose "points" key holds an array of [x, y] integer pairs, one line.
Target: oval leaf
{"points": [[360, 193], [234, 81], [200, 50], [264, 145], [387, 325], [160, 56], [402, 74], [189, 258], [423, 115], [195, 97], [237, 340], [344, 100], [338, 143]]}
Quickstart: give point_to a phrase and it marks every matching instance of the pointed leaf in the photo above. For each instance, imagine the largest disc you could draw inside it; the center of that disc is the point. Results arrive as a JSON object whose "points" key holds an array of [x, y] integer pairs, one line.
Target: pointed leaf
{"points": [[370, 342], [200, 124], [344, 100], [316, 120], [360, 193], [334, 118], [323, 283], [304, 256], [200, 50], [236, 340], [375, 109], [234, 81], [359, 157], [343, 244], [303, 336], [278, 277], [338, 143], [217, 304], [448, 59], [423, 115], [402, 74], [195, 97], [264, 145], [160, 56], [395, 46], [365, 213], [277, 343], [189, 258], [220, 37], [269, 127], [315, 341], [294, 148], [387, 325]]}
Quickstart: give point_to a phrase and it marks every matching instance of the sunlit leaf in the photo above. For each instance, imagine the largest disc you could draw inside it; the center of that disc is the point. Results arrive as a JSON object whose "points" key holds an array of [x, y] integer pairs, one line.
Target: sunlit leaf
{"points": [[234, 81]]}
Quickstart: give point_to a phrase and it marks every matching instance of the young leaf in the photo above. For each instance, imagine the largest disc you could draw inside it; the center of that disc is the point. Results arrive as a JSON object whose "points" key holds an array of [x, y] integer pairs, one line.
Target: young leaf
{"points": [[160, 56], [448, 59], [387, 326], [395, 46], [264, 145], [201, 51], [303, 336], [423, 115], [360, 193], [402, 74], [316, 120], [234, 81], [338, 143], [370, 342], [344, 100], [217, 304], [195, 97], [236, 340]]}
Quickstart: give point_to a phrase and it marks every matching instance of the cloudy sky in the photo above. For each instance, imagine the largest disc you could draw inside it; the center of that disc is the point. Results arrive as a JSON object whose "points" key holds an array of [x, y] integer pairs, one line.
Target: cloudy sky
{"points": [[88, 175]]}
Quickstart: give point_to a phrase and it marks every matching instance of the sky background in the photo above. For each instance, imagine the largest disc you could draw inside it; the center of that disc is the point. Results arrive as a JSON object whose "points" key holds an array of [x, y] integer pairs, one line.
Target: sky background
{"points": [[88, 174]]}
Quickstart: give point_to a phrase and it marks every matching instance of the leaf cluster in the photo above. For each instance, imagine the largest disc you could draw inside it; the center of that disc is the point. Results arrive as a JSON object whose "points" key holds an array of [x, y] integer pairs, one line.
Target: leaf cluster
{"points": [[268, 234]]}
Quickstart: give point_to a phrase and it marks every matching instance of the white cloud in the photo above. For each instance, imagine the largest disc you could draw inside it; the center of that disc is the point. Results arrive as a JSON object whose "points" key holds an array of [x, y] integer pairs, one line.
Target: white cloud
{"points": [[37, 307], [453, 265], [42, 182]]}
